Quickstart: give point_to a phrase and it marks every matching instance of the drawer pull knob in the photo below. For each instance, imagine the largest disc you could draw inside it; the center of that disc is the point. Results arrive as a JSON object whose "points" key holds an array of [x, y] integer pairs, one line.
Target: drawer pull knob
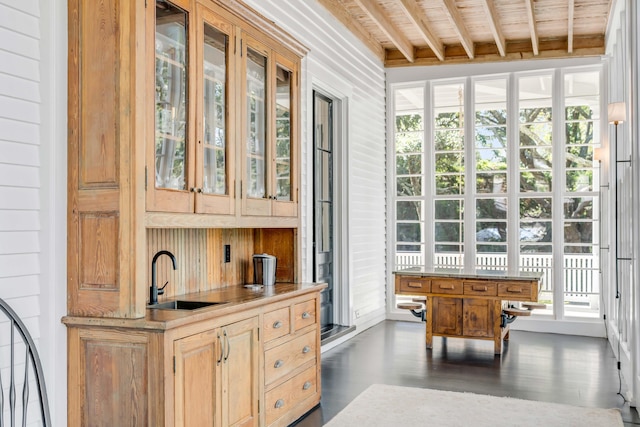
{"points": [[277, 325], [279, 403], [307, 385], [306, 315], [306, 349], [278, 363]]}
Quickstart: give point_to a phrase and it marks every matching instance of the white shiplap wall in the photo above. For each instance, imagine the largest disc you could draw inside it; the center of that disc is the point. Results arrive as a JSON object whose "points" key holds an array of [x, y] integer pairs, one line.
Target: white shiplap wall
{"points": [[20, 166], [340, 64], [32, 180]]}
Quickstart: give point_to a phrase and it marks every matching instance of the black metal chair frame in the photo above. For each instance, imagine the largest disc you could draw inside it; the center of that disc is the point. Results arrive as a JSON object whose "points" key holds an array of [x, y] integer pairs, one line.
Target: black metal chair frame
{"points": [[31, 354]]}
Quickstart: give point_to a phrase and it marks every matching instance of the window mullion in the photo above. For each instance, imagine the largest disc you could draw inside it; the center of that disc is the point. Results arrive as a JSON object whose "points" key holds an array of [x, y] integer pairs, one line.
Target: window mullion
{"points": [[469, 177], [428, 171], [558, 182]]}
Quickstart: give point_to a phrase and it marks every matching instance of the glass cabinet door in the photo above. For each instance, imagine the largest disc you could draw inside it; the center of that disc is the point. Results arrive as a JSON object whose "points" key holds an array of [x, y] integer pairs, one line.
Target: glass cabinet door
{"points": [[214, 139], [283, 134], [256, 118], [170, 96]]}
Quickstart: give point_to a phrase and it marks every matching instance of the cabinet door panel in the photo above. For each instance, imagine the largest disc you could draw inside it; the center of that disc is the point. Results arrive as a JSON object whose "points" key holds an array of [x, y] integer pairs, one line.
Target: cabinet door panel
{"points": [[197, 380], [478, 319], [240, 373], [169, 156], [447, 316], [214, 163]]}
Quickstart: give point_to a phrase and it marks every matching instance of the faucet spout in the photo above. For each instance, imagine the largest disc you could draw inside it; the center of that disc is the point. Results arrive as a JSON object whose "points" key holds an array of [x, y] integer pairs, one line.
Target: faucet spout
{"points": [[153, 289]]}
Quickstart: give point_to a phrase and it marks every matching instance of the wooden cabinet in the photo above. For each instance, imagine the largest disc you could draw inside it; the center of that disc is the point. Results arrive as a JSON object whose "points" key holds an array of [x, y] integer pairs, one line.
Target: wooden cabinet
{"points": [[291, 360], [216, 376], [467, 306], [256, 364], [225, 114]]}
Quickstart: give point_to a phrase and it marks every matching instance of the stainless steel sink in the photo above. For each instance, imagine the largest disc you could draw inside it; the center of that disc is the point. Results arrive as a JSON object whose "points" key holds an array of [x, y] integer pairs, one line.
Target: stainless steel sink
{"points": [[183, 305]]}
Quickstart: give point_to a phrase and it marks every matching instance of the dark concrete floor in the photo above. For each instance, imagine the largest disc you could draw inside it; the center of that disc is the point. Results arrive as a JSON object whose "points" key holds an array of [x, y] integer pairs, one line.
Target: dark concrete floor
{"points": [[545, 367]]}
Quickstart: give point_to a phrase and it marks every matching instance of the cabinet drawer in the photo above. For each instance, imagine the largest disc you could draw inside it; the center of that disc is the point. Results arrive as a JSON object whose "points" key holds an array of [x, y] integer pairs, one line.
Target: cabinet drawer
{"points": [[287, 395], [515, 290], [415, 285], [281, 360], [277, 324], [480, 288], [304, 314], [444, 286]]}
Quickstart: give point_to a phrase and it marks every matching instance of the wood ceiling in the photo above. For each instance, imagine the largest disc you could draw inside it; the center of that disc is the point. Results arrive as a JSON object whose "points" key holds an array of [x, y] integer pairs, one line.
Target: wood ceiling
{"points": [[428, 32]]}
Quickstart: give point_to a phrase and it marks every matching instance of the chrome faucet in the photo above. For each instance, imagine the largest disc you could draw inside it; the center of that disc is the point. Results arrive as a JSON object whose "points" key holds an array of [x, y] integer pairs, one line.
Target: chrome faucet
{"points": [[153, 290]]}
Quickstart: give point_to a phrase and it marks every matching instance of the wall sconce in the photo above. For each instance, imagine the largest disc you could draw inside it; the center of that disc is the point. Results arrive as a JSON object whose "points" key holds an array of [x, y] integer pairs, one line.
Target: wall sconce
{"points": [[617, 113]]}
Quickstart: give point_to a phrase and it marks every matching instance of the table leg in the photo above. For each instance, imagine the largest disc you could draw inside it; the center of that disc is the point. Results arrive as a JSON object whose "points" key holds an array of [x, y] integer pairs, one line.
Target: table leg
{"points": [[429, 322]]}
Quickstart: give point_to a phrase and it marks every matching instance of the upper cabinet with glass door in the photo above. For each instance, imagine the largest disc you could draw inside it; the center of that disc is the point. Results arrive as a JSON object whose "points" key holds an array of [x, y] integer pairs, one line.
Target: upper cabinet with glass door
{"points": [[224, 117], [269, 185], [192, 159]]}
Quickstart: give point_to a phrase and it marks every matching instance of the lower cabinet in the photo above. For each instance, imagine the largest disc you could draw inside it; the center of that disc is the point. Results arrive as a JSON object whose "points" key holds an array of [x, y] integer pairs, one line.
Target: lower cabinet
{"points": [[250, 367], [469, 317], [216, 379]]}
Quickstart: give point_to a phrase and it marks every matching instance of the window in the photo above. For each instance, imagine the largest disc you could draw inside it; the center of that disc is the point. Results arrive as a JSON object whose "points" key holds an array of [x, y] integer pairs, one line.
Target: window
{"points": [[497, 172]]}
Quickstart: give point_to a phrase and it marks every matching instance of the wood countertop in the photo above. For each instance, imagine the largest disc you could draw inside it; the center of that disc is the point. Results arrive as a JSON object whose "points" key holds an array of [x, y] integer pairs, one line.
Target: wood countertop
{"points": [[460, 273], [230, 300]]}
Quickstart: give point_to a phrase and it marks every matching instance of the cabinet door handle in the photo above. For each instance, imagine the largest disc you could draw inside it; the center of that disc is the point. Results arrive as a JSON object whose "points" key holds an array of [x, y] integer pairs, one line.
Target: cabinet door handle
{"points": [[226, 338], [221, 350], [306, 315], [279, 363], [277, 325], [307, 385], [279, 404], [306, 349]]}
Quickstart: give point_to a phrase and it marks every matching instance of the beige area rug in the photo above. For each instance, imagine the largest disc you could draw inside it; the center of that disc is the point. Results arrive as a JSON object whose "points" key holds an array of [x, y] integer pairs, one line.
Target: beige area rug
{"points": [[387, 405]]}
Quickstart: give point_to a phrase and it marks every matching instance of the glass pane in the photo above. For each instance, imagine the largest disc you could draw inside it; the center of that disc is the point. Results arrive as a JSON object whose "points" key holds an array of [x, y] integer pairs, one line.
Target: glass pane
{"points": [[535, 158], [491, 208], [409, 248], [491, 160], [491, 231], [408, 123], [535, 208], [215, 110], [449, 162], [408, 232], [170, 96], [578, 207], [539, 231], [409, 210], [579, 180], [450, 248], [448, 232], [535, 181], [410, 164], [256, 123], [449, 209], [491, 137], [324, 159], [582, 132], [449, 140], [537, 249], [578, 232], [490, 117], [491, 183], [579, 156], [409, 186], [483, 249], [535, 134], [283, 134], [449, 184]]}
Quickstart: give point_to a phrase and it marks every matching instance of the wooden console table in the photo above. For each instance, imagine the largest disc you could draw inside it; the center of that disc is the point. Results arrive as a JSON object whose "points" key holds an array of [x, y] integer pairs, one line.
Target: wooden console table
{"points": [[466, 304]]}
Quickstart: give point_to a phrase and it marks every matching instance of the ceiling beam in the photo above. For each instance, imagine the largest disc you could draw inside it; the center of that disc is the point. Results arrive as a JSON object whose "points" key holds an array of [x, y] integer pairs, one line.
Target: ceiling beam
{"points": [[386, 26], [458, 26], [342, 14], [492, 15], [570, 26], [532, 26], [417, 16]]}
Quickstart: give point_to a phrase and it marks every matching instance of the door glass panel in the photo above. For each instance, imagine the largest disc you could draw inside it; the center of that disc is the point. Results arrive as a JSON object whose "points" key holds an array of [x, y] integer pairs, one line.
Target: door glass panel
{"points": [[283, 134], [256, 124], [171, 96], [214, 180]]}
